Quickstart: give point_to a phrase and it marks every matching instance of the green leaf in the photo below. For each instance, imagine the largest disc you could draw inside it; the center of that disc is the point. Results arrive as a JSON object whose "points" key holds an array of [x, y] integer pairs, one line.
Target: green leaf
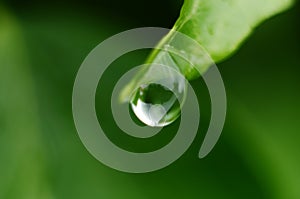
{"points": [[219, 26]]}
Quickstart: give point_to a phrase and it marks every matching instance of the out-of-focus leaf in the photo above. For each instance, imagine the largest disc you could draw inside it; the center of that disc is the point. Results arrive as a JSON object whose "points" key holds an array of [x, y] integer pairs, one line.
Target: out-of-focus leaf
{"points": [[263, 105], [270, 146], [21, 152]]}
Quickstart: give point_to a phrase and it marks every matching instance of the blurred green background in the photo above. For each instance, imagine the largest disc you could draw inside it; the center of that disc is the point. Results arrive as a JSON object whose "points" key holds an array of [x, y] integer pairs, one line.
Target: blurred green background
{"points": [[43, 43]]}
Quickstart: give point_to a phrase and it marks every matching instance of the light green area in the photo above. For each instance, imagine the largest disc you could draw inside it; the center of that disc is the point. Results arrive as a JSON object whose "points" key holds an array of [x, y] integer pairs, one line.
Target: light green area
{"points": [[21, 150]]}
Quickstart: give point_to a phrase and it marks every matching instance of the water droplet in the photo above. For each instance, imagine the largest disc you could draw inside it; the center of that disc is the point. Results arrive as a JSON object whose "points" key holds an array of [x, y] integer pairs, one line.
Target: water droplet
{"points": [[156, 105], [160, 93]]}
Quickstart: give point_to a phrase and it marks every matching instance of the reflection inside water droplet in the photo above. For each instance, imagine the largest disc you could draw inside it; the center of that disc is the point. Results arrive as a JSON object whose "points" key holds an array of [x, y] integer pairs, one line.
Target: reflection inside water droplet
{"points": [[157, 106]]}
